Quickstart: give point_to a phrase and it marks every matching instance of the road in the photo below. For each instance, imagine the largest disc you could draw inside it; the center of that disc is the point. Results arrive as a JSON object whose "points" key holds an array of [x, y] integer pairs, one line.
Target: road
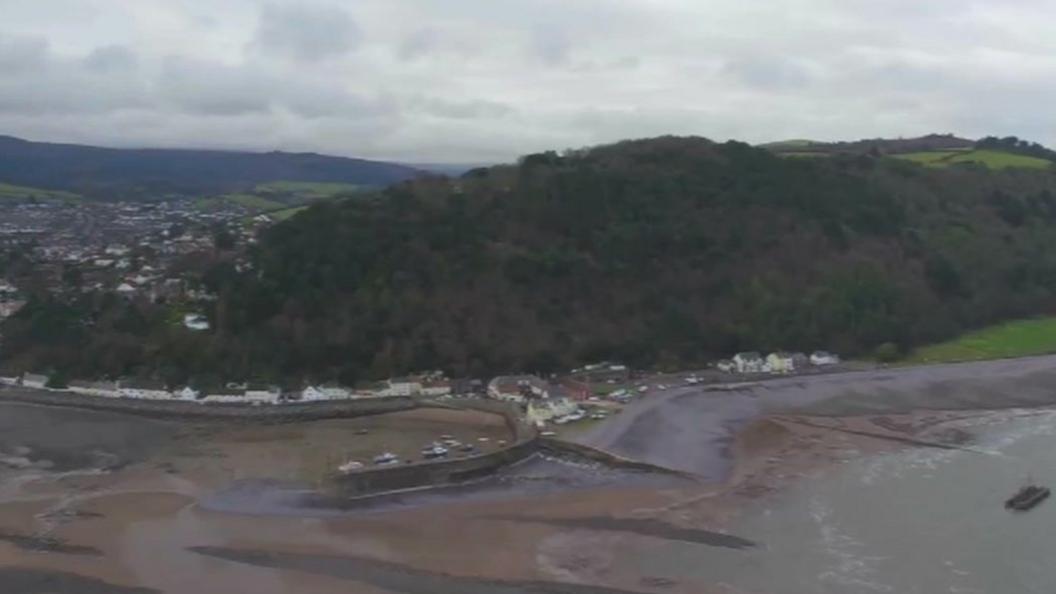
{"points": [[692, 428]]}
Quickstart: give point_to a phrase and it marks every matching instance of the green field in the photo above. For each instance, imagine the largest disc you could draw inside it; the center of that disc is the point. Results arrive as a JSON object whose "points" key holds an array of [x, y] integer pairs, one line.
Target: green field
{"points": [[792, 143], [8, 191], [804, 154], [282, 215], [991, 159], [1036, 336], [253, 201], [307, 190]]}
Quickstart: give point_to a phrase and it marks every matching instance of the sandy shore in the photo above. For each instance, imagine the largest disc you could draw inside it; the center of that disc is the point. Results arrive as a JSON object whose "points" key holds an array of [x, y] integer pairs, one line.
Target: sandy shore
{"points": [[141, 526]]}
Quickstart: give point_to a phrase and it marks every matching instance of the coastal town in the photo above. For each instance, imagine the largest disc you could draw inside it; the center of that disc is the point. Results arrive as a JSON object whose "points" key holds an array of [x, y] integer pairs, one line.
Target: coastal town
{"points": [[589, 392], [139, 250]]}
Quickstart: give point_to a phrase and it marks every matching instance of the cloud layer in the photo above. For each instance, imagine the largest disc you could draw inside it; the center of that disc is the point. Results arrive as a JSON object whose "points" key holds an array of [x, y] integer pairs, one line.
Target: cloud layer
{"points": [[479, 80]]}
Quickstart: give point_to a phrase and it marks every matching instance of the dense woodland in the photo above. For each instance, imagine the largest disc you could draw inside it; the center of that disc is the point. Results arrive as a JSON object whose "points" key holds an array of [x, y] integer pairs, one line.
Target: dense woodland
{"points": [[664, 252]]}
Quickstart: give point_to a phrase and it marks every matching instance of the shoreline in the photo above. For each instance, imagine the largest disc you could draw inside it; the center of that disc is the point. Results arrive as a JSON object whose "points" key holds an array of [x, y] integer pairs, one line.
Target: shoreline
{"points": [[768, 438]]}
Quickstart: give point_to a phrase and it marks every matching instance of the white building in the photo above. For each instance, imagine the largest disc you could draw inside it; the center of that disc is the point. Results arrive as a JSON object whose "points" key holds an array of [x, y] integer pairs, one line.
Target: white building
{"points": [[518, 388], [87, 388], [436, 388], [542, 411], [750, 362], [335, 392], [405, 386], [780, 362], [196, 322], [263, 394], [226, 396], [144, 390], [33, 380], [313, 394], [10, 380], [823, 358]]}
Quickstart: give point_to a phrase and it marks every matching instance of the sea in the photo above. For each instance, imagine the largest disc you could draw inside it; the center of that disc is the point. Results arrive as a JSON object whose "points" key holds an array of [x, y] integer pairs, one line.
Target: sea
{"points": [[924, 521]]}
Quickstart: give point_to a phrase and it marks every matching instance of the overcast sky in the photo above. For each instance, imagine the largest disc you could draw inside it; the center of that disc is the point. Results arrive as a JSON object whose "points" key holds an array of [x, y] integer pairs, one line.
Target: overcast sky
{"points": [[488, 80]]}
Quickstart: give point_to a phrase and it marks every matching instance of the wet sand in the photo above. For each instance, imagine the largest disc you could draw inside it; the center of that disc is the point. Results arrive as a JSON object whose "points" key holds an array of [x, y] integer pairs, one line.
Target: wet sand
{"points": [[190, 508]]}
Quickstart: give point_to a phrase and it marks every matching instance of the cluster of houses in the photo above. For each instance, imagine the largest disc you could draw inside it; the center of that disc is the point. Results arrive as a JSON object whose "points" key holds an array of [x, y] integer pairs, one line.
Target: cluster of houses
{"points": [[426, 385], [779, 362], [10, 300], [542, 401]]}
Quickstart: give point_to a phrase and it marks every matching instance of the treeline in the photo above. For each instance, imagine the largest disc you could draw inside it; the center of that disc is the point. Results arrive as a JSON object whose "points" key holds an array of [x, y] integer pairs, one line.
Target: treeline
{"points": [[665, 252], [1014, 145]]}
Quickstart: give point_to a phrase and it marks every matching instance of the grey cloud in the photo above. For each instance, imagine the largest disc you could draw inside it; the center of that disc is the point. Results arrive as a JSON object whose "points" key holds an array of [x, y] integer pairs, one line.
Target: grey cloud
{"points": [[417, 44], [213, 89], [479, 80], [460, 110], [305, 32], [22, 54], [552, 46], [110, 58], [766, 72]]}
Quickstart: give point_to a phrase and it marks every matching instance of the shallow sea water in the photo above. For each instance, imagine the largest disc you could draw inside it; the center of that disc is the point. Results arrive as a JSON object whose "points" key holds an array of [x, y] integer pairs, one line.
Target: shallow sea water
{"points": [[916, 521]]}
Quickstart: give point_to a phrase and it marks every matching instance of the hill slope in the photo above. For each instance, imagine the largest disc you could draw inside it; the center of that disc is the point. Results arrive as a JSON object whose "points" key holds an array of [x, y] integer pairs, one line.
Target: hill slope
{"points": [[107, 172], [668, 251]]}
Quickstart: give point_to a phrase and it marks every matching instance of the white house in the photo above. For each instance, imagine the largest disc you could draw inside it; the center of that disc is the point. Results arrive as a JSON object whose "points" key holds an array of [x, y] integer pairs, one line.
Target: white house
{"points": [[541, 411], [726, 366], [126, 289], [518, 388], [187, 393], [750, 362], [33, 380], [403, 386], [144, 390], [87, 388], [335, 392], [441, 387], [225, 396], [263, 394], [781, 362], [823, 358], [196, 322], [9, 380], [313, 394]]}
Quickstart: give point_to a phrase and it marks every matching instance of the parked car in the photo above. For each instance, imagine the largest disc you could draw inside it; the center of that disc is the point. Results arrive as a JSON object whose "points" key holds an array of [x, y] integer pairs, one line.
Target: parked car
{"points": [[386, 459]]}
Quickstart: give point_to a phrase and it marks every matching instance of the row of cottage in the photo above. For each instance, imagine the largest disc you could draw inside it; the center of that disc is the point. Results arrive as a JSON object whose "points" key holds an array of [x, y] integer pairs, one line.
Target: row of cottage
{"points": [[234, 393], [780, 362]]}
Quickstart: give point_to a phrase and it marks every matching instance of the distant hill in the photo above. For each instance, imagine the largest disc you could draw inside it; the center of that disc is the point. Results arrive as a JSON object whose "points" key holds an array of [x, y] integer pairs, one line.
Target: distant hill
{"points": [[665, 252], [145, 173]]}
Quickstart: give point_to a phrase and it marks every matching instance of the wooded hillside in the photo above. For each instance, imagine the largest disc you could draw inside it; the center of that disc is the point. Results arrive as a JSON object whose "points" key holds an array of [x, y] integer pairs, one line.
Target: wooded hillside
{"points": [[669, 251]]}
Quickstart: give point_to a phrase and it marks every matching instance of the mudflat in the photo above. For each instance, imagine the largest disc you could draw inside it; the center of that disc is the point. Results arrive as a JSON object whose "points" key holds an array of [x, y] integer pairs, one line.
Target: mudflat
{"points": [[100, 502]]}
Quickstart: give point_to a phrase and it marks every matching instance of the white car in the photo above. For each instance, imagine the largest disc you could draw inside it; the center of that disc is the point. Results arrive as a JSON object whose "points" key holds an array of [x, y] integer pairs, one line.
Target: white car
{"points": [[386, 459], [350, 466]]}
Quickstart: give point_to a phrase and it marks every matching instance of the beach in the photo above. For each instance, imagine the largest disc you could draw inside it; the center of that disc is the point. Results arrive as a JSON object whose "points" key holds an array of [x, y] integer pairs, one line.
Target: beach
{"points": [[126, 504]]}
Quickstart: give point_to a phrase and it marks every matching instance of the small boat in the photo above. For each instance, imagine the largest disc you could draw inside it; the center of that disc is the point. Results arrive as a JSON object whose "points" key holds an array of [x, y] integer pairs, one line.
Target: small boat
{"points": [[1027, 498]]}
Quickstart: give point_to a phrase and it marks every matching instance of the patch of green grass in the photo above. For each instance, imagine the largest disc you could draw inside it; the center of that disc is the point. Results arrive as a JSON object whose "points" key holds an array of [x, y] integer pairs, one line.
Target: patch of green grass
{"points": [[792, 143], [282, 215], [308, 189], [254, 202], [804, 154], [9, 191], [989, 158], [1020, 338]]}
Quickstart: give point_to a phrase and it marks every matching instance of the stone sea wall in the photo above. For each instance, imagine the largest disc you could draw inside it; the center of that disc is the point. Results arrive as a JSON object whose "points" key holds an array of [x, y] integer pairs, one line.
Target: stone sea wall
{"points": [[284, 413]]}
